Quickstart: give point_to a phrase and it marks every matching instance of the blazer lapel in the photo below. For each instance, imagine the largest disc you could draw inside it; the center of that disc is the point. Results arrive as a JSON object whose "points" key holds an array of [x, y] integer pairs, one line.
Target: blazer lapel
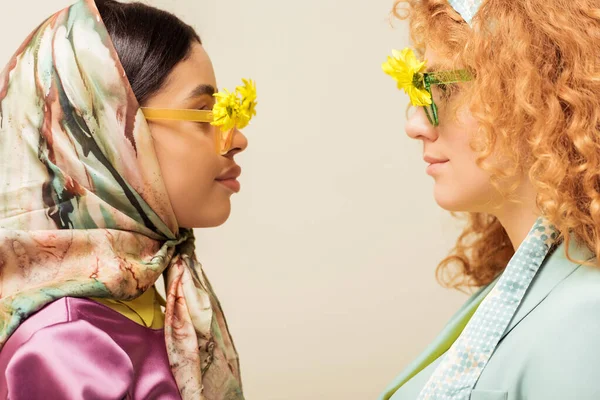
{"points": [[555, 269], [442, 342]]}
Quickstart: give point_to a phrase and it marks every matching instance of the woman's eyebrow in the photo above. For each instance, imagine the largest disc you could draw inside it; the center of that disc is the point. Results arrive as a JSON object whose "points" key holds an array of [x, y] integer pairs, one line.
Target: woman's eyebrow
{"points": [[434, 68], [202, 90]]}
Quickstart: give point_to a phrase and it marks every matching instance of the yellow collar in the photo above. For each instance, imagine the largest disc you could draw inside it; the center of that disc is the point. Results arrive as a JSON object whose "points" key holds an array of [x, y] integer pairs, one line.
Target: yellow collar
{"points": [[145, 309]]}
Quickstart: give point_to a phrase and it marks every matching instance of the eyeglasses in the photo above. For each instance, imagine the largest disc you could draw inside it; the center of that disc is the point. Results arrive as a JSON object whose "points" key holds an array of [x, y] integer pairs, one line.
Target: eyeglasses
{"points": [[410, 75], [232, 111], [173, 114], [223, 138], [441, 78]]}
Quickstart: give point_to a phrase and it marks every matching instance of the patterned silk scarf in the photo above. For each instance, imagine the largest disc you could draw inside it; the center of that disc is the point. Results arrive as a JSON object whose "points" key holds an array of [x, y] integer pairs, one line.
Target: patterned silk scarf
{"points": [[83, 208], [458, 372]]}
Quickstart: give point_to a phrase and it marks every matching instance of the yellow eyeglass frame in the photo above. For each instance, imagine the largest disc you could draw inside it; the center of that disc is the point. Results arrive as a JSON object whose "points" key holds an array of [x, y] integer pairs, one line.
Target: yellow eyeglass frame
{"points": [[175, 114], [223, 140]]}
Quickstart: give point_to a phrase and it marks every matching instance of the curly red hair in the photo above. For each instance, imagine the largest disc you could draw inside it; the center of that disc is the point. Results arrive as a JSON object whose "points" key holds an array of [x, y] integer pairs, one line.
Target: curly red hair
{"points": [[541, 61]]}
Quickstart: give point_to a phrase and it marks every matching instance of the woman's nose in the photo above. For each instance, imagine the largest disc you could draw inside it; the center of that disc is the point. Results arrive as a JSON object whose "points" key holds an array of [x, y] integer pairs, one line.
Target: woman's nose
{"points": [[418, 125], [238, 144]]}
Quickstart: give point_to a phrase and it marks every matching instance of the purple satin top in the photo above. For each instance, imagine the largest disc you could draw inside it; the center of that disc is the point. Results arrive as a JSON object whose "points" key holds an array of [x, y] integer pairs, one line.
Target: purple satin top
{"points": [[79, 349]]}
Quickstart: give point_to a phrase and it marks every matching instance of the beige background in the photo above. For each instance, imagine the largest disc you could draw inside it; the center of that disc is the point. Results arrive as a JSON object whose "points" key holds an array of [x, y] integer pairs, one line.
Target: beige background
{"points": [[326, 267]]}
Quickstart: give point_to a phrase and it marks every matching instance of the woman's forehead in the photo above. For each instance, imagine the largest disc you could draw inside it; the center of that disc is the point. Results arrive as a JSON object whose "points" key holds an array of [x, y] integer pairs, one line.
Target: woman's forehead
{"points": [[193, 72], [437, 60]]}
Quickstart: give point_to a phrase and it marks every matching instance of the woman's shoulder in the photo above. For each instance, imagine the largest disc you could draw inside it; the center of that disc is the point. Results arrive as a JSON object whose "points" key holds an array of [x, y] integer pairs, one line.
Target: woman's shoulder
{"points": [[88, 349], [76, 311], [59, 344], [568, 284], [568, 312], [566, 292], [69, 312], [580, 287], [560, 340], [61, 311]]}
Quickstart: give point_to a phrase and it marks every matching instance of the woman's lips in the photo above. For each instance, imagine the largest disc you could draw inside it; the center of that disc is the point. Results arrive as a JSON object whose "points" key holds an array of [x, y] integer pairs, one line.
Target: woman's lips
{"points": [[436, 164], [232, 184], [229, 178], [435, 168]]}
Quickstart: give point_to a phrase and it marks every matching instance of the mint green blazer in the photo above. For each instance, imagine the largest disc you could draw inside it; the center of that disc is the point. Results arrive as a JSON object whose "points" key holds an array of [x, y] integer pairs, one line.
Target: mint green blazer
{"points": [[551, 349]]}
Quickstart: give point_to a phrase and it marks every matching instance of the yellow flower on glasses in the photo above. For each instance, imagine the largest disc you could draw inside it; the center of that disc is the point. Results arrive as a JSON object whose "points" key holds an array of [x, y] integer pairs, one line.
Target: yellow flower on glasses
{"points": [[226, 110], [235, 109], [408, 72], [248, 105]]}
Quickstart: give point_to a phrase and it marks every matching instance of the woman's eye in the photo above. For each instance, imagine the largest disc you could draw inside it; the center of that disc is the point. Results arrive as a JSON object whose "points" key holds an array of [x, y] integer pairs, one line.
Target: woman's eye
{"points": [[443, 92], [203, 108], [203, 124]]}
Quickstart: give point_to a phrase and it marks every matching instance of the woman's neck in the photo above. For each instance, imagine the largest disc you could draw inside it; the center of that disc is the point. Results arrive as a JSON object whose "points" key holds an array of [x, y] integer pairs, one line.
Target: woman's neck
{"points": [[518, 217]]}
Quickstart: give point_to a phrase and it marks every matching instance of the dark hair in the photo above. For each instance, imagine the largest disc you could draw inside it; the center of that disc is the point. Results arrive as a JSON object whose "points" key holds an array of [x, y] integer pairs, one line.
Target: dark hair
{"points": [[150, 43]]}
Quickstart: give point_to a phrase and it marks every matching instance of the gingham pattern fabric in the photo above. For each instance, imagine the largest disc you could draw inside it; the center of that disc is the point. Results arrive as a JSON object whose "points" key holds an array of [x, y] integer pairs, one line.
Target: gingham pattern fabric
{"points": [[459, 370], [466, 8]]}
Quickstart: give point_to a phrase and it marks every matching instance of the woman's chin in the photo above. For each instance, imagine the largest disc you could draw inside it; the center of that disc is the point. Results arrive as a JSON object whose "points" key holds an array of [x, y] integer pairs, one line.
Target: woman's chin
{"points": [[210, 218], [449, 200]]}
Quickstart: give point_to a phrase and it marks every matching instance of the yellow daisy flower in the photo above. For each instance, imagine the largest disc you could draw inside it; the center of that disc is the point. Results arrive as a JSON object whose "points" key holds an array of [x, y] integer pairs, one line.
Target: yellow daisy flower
{"points": [[235, 110], [404, 67], [248, 102], [226, 110]]}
